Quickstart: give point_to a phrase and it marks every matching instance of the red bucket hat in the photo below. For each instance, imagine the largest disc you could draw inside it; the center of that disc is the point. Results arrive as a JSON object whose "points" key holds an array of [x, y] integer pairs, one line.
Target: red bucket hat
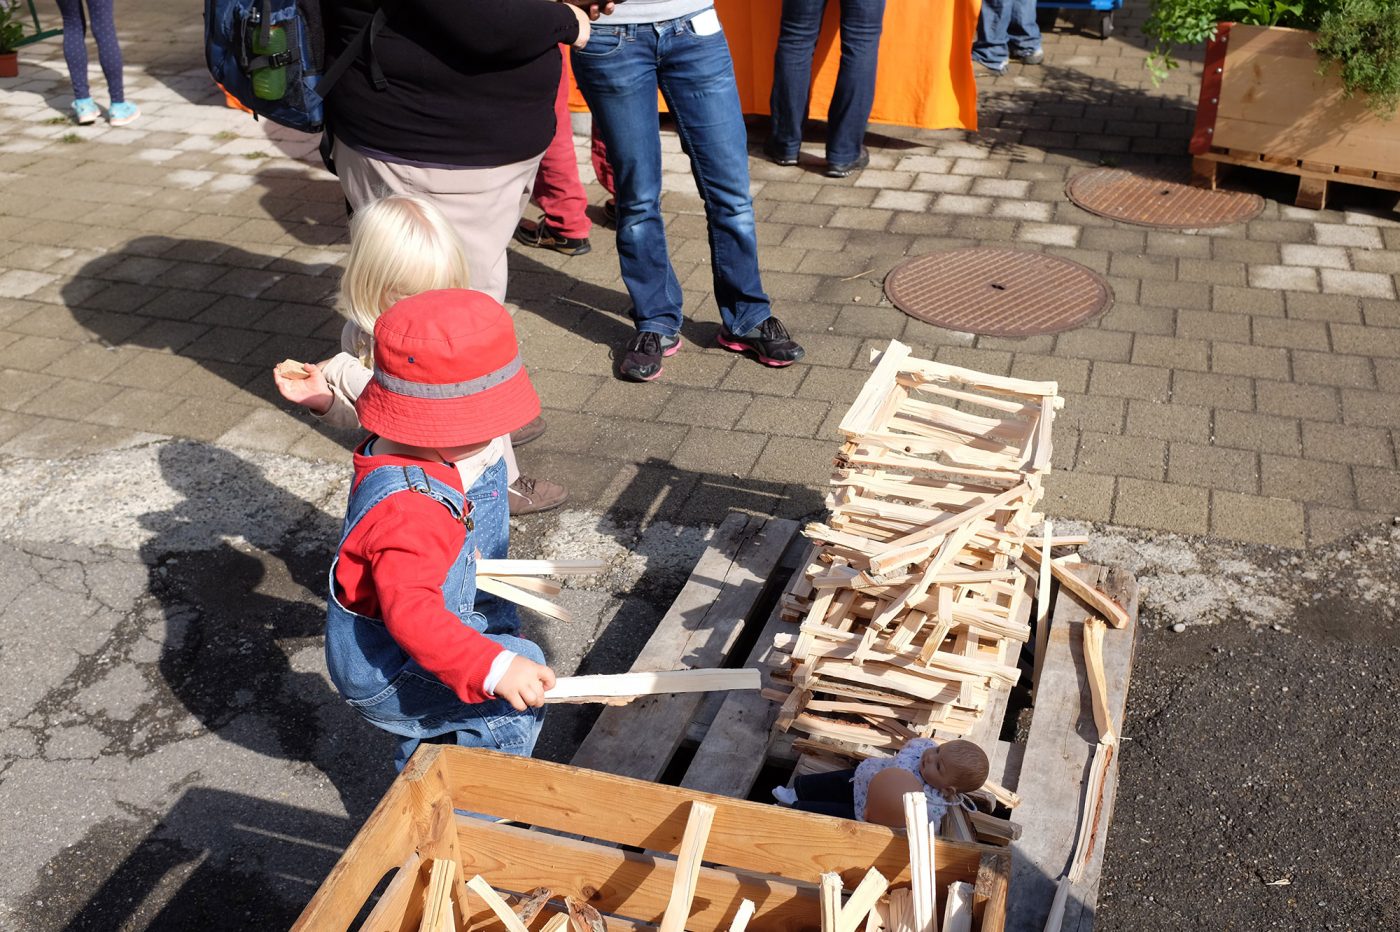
{"points": [[447, 372]]}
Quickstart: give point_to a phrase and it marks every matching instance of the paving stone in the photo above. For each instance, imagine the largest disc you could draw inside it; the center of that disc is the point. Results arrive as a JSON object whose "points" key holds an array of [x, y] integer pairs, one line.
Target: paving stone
{"points": [[1162, 506], [201, 418], [1347, 443], [1256, 302], [1283, 278], [1380, 313], [1332, 369], [837, 386], [1337, 234], [1212, 272], [1378, 489], [1212, 389], [1124, 315], [1366, 341], [1255, 361], [1308, 402], [1179, 294], [1327, 524], [1127, 380], [790, 459], [1264, 432], [52, 439], [1103, 414], [1306, 480], [1324, 307], [1362, 284], [784, 416], [1168, 421], [996, 362], [1078, 495], [1215, 467], [1377, 409], [1208, 325], [1295, 334], [1166, 243], [1330, 257], [1128, 265], [1256, 519], [1247, 251], [704, 407], [1107, 454], [1088, 343], [721, 452], [1170, 352]]}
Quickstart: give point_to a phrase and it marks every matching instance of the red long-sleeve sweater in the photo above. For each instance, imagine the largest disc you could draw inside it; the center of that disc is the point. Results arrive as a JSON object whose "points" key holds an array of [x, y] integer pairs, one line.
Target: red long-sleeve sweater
{"points": [[392, 567]]}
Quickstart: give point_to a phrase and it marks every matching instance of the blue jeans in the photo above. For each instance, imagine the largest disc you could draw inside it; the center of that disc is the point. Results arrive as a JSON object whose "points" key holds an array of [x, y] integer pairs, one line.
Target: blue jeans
{"points": [[388, 687], [619, 71], [1005, 26], [854, 94]]}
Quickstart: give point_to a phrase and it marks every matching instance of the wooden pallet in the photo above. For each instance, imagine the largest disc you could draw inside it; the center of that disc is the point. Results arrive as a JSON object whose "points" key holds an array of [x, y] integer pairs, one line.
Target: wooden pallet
{"points": [[1314, 178], [723, 746]]}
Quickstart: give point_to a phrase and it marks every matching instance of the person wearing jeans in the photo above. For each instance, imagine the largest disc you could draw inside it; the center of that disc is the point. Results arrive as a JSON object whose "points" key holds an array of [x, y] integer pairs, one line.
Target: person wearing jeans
{"points": [[1007, 29], [853, 96], [677, 46]]}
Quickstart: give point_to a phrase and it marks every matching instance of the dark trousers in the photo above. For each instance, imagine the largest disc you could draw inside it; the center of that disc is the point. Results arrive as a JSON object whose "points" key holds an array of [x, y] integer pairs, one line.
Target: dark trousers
{"points": [[830, 794]]}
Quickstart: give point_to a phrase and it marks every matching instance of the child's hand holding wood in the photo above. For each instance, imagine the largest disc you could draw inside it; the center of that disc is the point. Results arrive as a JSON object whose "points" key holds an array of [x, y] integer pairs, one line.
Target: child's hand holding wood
{"points": [[524, 683], [303, 383]]}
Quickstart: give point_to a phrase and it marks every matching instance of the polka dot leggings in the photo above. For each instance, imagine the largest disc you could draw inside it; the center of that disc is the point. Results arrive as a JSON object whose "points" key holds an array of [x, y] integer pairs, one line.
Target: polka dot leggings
{"points": [[109, 53]]}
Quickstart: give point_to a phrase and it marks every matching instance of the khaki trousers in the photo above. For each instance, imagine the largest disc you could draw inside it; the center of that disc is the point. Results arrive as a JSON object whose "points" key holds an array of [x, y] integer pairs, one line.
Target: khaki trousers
{"points": [[484, 205]]}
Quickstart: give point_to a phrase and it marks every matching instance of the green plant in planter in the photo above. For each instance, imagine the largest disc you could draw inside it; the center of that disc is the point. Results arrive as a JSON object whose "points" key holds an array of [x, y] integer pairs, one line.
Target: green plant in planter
{"points": [[1361, 37], [11, 29]]}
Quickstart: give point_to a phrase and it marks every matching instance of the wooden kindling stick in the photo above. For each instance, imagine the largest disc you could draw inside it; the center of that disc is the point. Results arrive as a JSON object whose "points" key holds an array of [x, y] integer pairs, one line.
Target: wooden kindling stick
{"points": [[437, 905], [503, 912], [923, 883], [628, 686], [697, 830], [498, 587], [742, 917], [829, 899], [539, 567], [957, 909], [861, 901], [1096, 599]]}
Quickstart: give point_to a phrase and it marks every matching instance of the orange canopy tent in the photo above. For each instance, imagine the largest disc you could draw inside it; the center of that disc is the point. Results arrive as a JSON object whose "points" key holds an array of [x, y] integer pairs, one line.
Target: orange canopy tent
{"points": [[925, 78]]}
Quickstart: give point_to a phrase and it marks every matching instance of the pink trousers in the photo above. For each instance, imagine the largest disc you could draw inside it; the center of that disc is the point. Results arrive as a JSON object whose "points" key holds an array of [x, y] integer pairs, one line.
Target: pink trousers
{"points": [[558, 188]]}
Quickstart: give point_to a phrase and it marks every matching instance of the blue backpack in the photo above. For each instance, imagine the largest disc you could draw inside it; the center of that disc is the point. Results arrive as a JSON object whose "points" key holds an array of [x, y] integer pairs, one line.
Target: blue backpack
{"points": [[271, 56]]}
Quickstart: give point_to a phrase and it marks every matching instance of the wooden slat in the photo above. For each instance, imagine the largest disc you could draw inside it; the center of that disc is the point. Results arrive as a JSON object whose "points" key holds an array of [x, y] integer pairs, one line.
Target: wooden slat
{"points": [[698, 631], [746, 835], [633, 884], [1059, 747]]}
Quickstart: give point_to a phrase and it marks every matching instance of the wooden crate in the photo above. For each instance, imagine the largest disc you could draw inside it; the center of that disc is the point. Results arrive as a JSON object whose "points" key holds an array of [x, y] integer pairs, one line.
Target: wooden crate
{"points": [[578, 819], [1264, 105]]}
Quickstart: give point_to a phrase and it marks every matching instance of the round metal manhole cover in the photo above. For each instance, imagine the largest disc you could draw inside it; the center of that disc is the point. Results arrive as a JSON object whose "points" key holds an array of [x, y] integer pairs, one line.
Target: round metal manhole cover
{"points": [[998, 292], [1159, 200]]}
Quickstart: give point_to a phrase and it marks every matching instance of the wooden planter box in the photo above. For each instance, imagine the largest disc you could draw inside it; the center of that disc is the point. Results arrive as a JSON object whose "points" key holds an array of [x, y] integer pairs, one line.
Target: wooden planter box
{"points": [[1264, 105], [767, 854]]}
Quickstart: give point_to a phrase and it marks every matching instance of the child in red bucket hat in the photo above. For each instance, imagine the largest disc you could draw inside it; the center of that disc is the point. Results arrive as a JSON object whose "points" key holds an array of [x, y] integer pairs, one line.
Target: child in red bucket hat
{"points": [[405, 642]]}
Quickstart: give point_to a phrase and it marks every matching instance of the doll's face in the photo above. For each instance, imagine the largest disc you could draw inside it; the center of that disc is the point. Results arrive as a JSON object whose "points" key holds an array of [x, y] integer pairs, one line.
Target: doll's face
{"points": [[931, 768]]}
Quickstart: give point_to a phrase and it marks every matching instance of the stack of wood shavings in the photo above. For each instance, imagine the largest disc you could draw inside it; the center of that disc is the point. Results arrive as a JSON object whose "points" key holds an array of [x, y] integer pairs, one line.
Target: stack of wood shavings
{"points": [[912, 607]]}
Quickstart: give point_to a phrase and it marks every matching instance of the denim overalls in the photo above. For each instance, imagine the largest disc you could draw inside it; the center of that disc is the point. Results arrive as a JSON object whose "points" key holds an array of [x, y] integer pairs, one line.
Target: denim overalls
{"points": [[379, 679]]}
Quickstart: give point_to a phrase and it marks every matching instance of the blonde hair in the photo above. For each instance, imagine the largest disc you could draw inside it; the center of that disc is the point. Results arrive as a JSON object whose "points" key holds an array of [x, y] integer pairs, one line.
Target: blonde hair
{"points": [[965, 763], [400, 246]]}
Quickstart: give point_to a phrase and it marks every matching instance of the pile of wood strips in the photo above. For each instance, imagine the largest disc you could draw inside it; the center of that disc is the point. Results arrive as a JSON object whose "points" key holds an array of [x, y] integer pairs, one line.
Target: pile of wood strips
{"points": [[912, 605]]}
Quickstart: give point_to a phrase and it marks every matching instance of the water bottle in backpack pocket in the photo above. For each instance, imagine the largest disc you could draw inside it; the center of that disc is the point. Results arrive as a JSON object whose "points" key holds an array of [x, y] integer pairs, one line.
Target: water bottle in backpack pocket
{"points": [[269, 54]]}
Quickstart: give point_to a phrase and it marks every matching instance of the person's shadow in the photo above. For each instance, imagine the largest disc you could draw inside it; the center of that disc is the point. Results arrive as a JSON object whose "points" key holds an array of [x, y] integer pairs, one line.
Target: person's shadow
{"points": [[239, 567]]}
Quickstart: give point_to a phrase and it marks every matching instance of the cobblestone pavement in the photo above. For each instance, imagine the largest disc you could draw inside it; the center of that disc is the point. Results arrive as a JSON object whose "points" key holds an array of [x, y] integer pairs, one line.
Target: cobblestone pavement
{"points": [[163, 510]]}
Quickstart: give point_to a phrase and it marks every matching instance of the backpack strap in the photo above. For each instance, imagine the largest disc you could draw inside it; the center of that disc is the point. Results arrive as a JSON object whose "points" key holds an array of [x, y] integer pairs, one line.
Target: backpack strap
{"points": [[366, 36]]}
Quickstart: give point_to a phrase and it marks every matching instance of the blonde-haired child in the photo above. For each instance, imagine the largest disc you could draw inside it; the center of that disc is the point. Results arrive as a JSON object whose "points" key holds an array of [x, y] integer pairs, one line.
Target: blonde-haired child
{"points": [[400, 245]]}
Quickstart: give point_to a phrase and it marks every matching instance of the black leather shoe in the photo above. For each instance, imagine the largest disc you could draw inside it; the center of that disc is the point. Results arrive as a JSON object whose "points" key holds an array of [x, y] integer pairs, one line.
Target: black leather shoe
{"points": [[771, 153], [842, 169], [537, 233]]}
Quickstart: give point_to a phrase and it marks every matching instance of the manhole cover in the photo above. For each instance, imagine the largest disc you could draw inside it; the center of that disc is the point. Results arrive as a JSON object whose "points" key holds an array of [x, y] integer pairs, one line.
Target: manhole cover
{"points": [[998, 292], [1159, 200]]}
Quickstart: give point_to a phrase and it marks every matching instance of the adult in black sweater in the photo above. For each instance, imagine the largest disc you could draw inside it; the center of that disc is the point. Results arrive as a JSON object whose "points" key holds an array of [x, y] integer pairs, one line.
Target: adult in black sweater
{"points": [[462, 114]]}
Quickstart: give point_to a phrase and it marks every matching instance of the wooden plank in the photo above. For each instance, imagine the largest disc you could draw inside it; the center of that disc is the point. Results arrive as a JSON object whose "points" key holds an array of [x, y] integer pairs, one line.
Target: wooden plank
{"points": [[731, 754], [1097, 600], [1274, 101], [699, 630], [633, 884], [393, 913], [989, 895], [829, 899], [437, 905], [387, 839], [922, 875], [1057, 756], [627, 686], [957, 912], [700, 817], [750, 836], [862, 900]]}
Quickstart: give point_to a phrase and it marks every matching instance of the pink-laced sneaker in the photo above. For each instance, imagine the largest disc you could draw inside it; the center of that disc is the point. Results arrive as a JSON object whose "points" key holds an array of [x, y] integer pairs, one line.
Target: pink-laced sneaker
{"points": [[769, 342], [641, 362]]}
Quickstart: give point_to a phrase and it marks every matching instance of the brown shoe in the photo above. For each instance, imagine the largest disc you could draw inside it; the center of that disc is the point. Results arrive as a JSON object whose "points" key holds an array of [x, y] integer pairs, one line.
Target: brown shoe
{"points": [[528, 495], [530, 431]]}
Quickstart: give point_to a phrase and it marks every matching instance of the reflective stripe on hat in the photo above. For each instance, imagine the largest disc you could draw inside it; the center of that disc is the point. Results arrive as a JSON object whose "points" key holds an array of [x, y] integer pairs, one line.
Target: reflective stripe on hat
{"points": [[452, 390]]}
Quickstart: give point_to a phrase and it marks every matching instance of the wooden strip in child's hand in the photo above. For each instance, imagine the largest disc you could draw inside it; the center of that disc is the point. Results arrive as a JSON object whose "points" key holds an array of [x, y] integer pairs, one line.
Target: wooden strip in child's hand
{"points": [[291, 369]]}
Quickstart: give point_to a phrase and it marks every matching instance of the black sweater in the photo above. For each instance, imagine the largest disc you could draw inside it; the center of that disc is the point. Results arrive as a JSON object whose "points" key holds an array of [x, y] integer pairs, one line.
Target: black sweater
{"points": [[471, 83]]}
